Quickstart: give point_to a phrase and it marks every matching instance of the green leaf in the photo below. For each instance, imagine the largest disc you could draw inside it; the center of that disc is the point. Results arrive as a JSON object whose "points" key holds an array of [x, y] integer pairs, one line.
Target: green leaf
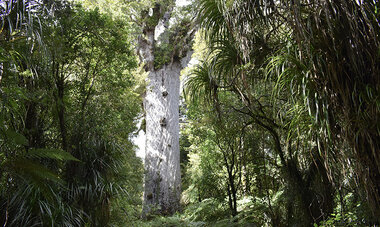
{"points": [[26, 167], [16, 137], [2, 55], [52, 153]]}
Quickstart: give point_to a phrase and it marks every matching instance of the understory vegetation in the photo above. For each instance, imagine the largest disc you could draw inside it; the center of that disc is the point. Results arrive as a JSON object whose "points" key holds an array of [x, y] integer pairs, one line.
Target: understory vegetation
{"points": [[279, 117]]}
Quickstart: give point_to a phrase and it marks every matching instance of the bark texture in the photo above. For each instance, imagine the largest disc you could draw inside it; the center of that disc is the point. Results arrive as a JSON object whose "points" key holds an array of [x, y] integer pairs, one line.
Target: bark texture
{"points": [[162, 157]]}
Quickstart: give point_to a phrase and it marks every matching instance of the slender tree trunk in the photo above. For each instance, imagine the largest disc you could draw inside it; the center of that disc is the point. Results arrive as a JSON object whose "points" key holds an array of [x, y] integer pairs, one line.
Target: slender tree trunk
{"points": [[1, 73], [231, 174], [232, 194], [60, 84], [31, 124]]}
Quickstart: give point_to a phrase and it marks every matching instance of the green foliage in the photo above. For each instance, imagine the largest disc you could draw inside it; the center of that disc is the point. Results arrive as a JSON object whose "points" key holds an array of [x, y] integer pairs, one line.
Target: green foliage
{"points": [[176, 40], [281, 116], [209, 210], [14, 137], [66, 154], [348, 212], [55, 154], [348, 219], [163, 54], [168, 222], [274, 67]]}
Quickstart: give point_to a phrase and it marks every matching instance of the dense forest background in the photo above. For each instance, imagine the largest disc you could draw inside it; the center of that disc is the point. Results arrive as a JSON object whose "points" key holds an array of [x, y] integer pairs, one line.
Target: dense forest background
{"points": [[279, 113]]}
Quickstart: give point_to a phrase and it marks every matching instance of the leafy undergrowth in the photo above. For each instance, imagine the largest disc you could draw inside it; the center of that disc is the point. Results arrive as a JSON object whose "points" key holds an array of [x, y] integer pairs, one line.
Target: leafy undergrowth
{"points": [[209, 212], [180, 220], [252, 212]]}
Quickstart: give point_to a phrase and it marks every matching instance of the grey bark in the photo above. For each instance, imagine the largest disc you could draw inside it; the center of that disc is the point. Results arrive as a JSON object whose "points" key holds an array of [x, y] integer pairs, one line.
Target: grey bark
{"points": [[163, 176], [162, 190]]}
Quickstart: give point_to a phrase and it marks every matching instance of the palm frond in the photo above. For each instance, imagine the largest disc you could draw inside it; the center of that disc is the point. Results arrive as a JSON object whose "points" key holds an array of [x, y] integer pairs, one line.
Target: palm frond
{"points": [[25, 167], [56, 154], [211, 17], [200, 85]]}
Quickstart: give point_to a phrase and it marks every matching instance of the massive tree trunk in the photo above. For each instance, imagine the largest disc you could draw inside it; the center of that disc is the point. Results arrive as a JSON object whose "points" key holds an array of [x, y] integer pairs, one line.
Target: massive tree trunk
{"points": [[162, 157]]}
